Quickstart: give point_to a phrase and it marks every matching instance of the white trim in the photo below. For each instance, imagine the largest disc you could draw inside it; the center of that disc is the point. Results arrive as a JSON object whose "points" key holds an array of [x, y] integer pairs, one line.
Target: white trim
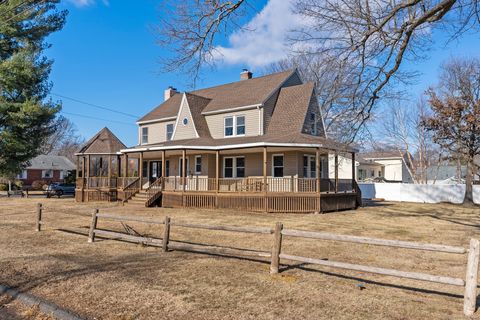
{"points": [[195, 164], [234, 146], [156, 120], [273, 164], [252, 106], [234, 125]]}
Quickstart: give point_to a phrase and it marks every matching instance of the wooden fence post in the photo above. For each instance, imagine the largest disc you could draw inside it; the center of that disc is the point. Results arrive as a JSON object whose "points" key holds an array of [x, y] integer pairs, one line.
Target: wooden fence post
{"points": [[470, 298], [277, 248], [166, 234], [39, 217], [93, 226]]}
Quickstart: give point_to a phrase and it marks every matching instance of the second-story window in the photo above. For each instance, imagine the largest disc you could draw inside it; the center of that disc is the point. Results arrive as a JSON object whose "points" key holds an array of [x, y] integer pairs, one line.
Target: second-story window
{"points": [[240, 125], [234, 126], [144, 135], [228, 126], [169, 131]]}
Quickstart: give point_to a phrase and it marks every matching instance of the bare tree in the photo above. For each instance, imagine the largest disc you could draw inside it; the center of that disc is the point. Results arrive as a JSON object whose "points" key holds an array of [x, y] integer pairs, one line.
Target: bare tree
{"points": [[375, 37], [403, 130], [455, 122], [65, 141]]}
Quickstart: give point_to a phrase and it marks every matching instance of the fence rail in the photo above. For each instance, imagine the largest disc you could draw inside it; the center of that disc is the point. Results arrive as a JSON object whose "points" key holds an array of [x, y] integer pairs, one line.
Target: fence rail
{"points": [[276, 254]]}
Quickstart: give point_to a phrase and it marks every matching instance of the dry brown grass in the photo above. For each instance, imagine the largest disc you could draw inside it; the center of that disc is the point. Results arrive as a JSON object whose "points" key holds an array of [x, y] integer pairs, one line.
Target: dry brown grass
{"points": [[116, 280]]}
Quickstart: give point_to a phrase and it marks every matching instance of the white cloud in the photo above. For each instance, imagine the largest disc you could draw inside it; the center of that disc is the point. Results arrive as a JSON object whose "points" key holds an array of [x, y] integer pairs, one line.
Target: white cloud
{"points": [[86, 3], [262, 40]]}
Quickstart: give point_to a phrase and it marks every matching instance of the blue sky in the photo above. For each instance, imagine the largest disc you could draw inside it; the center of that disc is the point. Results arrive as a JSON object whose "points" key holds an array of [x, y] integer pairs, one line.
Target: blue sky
{"points": [[107, 55]]}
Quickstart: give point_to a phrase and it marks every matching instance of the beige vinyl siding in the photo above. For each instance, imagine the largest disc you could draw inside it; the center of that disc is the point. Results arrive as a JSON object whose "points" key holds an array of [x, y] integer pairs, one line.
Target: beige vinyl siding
{"points": [[252, 122], [157, 132], [182, 131], [254, 164]]}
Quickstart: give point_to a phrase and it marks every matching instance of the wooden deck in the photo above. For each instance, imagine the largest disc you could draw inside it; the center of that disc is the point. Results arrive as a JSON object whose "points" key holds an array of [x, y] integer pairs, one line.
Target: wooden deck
{"points": [[276, 195]]}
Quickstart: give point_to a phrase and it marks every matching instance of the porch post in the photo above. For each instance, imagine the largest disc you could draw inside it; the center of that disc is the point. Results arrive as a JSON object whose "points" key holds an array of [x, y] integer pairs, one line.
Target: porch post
{"points": [[88, 166], [354, 171], [119, 172], [317, 169], [78, 168], [184, 173], [217, 170], [164, 169], [140, 169], [265, 177], [336, 171], [109, 168], [125, 167]]}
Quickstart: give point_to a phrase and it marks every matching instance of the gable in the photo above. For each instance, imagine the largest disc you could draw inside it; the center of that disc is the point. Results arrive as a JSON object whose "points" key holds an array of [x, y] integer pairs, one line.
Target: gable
{"points": [[314, 119], [104, 142], [184, 126]]}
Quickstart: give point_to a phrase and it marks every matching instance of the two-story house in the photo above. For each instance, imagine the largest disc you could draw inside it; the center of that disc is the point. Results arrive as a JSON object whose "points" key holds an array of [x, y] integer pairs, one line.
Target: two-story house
{"points": [[255, 144]]}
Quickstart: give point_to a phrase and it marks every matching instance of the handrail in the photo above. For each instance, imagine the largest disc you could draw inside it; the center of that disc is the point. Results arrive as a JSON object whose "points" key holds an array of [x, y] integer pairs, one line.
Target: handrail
{"points": [[153, 191], [130, 190]]}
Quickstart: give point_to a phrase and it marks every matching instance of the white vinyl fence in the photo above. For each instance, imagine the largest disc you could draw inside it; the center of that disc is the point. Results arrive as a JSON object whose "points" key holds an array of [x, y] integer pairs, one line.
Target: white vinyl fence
{"points": [[423, 193]]}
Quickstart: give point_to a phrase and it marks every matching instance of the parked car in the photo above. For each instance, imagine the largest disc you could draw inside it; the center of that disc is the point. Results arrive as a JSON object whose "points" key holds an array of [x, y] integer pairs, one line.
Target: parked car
{"points": [[59, 189]]}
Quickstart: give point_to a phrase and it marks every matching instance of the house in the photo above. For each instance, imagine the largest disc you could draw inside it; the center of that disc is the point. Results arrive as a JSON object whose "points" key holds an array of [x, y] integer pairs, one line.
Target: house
{"points": [[257, 144], [389, 166], [48, 168]]}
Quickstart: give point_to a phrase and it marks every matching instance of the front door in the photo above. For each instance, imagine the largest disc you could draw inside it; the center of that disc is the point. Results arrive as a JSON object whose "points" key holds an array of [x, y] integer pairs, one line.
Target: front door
{"points": [[155, 170]]}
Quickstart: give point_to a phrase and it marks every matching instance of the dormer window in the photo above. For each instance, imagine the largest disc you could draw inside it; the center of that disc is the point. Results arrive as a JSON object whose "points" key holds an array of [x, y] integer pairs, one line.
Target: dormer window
{"points": [[234, 126], [313, 120], [185, 121]]}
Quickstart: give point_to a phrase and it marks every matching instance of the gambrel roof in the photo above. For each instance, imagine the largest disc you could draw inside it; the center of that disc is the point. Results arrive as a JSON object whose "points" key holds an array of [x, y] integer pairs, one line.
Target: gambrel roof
{"points": [[229, 96]]}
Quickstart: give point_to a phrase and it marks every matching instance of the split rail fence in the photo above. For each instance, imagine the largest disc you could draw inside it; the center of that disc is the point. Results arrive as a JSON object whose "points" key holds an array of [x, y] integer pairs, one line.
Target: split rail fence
{"points": [[469, 283]]}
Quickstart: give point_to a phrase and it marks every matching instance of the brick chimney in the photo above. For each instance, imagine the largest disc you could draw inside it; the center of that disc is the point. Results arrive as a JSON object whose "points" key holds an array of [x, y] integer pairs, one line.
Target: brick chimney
{"points": [[170, 92], [245, 75]]}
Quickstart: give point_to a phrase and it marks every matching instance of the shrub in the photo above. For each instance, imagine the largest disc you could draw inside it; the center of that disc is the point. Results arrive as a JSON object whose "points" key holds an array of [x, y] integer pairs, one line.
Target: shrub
{"points": [[3, 187]]}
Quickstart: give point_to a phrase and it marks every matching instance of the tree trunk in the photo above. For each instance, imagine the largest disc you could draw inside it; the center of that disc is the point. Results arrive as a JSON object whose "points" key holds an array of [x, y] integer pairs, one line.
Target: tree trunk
{"points": [[469, 185]]}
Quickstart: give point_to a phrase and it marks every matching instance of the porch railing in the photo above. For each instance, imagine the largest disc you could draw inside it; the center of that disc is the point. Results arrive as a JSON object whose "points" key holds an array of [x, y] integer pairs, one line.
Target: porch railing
{"points": [[101, 182], [154, 191], [131, 189]]}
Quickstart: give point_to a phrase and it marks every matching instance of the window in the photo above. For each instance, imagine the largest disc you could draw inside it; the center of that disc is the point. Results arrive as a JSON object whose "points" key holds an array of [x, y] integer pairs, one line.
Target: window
{"points": [[234, 167], [62, 174], [313, 119], [277, 165], [379, 173], [234, 126], [47, 173], [23, 175], [169, 131], [309, 166], [229, 127], [144, 135], [167, 168], [185, 121], [240, 125], [198, 164]]}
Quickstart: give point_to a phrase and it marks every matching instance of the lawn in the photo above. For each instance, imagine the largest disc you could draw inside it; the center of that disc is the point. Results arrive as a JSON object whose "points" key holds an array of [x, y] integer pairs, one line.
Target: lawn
{"points": [[111, 279]]}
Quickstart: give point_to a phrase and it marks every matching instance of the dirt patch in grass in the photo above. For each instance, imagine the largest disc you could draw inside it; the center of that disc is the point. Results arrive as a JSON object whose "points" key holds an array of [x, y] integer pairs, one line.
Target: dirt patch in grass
{"points": [[116, 280]]}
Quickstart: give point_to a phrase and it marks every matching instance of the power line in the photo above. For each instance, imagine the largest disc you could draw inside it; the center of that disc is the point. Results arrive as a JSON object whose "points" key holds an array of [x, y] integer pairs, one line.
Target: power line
{"points": [[95, 118], [12, 9], [31, 6], [96, 106]]}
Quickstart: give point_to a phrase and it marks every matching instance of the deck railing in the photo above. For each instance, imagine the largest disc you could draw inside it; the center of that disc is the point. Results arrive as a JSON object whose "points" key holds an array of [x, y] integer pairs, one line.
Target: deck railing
{"points": [[236, 185]]}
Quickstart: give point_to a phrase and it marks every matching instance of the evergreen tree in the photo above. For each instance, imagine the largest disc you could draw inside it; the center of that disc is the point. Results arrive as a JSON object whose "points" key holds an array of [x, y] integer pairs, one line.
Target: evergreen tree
{"points": [[27, 118]]}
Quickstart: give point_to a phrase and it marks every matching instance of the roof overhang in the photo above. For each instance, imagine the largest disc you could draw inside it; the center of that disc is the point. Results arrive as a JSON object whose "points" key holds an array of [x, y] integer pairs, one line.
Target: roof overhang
{"points": [[252, 106], [234, 146], [156, 120]]}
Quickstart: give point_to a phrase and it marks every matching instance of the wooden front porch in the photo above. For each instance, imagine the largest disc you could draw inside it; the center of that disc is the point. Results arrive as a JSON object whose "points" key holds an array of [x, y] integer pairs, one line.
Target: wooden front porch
{"points": [[303, 195]]}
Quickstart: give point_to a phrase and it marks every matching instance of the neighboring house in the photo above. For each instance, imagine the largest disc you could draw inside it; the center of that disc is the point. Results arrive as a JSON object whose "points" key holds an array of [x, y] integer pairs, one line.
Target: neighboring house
{"points": [[255, 144], [389, 166], [48, 168]]}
